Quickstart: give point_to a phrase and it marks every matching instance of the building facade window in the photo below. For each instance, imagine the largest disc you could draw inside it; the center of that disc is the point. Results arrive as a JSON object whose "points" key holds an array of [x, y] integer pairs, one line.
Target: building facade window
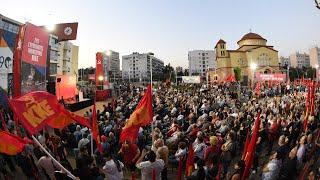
{"points": [[263, 60]]}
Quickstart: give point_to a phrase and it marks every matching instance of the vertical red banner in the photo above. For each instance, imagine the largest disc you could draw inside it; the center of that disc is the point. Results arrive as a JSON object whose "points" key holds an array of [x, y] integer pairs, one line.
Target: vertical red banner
{"points": [[99, 71], [34, 59], [17, 62]]}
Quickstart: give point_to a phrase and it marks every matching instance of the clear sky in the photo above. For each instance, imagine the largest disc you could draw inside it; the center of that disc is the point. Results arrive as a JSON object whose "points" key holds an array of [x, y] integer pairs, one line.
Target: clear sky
{"points": [[170, 28]]}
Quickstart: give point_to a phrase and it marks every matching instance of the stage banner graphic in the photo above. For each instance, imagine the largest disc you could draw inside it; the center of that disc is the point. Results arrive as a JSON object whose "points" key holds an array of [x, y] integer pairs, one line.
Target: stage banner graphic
{"points": [[271, 77], [66, 87], [34, 58], [99, 70], [191, 79], [39, 108]]}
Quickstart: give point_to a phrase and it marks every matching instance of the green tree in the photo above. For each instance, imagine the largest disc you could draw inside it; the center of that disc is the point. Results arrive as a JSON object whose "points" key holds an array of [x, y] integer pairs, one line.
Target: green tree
{"points": [[168, 73], [310, 72], [237, 73], [293, 74]]}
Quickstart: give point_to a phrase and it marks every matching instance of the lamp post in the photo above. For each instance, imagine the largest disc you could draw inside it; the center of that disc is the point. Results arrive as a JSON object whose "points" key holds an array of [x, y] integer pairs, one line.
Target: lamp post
{"points": [[253, 67], [207, 77], [100, 78], [317, 66]]}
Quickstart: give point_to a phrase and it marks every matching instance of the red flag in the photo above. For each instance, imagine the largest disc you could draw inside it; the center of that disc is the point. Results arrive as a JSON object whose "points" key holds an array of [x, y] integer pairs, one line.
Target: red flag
{"points": [[312, 97], [66, 31], [37, 109], [246, 144], [190, 161], [10, 144], [95, 128], [141, 116], [257, 89], [179, 174], [251, 148], [307, 105]]}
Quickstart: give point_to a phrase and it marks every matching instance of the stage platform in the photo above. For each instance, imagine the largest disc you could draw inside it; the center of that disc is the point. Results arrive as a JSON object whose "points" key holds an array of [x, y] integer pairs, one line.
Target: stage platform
{"points": [[76, 106]]}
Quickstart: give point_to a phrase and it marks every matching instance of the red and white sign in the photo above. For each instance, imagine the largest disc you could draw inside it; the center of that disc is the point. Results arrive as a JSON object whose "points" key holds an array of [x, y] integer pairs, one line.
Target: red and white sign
{"points": [[99, 69], [271, 77], [91, 77], [35, 45]]}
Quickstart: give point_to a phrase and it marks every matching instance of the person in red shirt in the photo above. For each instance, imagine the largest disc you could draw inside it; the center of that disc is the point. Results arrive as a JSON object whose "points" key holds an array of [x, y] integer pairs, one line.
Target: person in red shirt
{"points": [[273, 133], [130, 153], [211, 150]]}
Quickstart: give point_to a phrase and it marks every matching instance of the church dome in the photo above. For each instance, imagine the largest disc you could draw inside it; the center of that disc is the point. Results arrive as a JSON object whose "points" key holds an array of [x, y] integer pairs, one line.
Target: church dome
{"points": [[250, 38]]}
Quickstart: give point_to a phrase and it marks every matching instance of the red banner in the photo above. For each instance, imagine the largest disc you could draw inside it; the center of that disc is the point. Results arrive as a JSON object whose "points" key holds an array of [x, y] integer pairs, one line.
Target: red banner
{"points": [[99, 70], [37, 109], [91, 77], [271, 77], [34, 59], [17, 62]]}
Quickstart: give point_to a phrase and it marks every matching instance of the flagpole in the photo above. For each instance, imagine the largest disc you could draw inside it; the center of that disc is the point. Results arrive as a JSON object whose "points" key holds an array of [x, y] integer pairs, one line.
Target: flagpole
{"points": [[44, 149], [151, 100], [91, 143]]}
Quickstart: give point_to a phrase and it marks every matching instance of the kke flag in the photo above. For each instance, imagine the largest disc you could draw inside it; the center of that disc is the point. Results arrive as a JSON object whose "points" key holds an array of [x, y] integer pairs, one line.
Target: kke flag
{"points": [[257, 89], [95, 128], [10, 144], [246, 144], [39, 108], [250, 151], [141, 116], [190, 161]]}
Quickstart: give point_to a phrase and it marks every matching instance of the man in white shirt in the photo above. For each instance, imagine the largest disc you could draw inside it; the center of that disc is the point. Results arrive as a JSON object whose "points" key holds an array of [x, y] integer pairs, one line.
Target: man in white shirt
{"points": [[113, 168], [272, 169], [152, 165], [199, 146], [84, 141]]}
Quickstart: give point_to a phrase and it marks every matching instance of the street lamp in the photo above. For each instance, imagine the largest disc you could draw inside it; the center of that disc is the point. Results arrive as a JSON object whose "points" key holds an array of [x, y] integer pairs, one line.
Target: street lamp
{"points": [[100, 78], [253, 67], [317, 66]]}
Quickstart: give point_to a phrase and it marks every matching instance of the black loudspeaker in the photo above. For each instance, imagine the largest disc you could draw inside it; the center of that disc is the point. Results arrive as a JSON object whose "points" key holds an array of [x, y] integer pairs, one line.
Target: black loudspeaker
{"points": [[51, 87], [58, 80]]}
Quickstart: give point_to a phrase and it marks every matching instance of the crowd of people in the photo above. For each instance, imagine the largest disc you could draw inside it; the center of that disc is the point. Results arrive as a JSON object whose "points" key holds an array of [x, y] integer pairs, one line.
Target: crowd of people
{"points": [[213, 121]]}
